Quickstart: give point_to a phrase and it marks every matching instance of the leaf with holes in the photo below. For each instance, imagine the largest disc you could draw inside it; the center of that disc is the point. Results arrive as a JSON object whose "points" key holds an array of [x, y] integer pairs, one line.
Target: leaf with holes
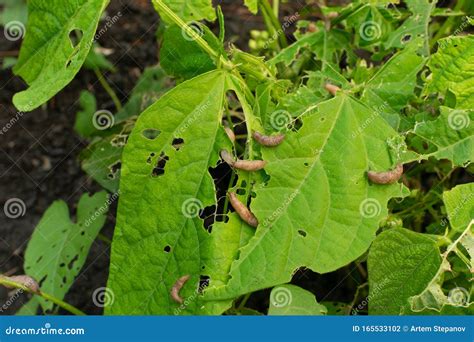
{"points": [[173, 180], [450, 136], [452, 67], [190, 10], [56, 44], [59, 247], [291, 300], [324, 229]]}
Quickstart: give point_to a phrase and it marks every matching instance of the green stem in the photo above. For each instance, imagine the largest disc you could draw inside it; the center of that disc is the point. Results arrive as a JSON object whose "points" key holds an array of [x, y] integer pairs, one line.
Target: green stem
{"points": [[447, 24], [244, 300], [276, 8], [273, 22], [68, 307], [108, 89]]}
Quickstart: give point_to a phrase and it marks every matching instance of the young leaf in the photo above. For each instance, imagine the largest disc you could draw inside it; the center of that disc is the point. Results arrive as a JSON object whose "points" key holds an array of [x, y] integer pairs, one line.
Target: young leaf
{"points": [[291, 300], [452, 67], [451, 134], [323, 229], [59, 247], [459, 203], [176, 184], [252, 5], [56, 44], [401, 264]]}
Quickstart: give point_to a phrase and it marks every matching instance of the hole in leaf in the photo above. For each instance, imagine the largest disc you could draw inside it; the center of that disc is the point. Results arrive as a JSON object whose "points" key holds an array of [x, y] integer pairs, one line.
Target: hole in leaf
{"points": [[75, 37], [150, 157], [114, 169], [159, 169], [151, 133], [302, 233], [71, 263], [177, 143], [203, 283], [167, 249], [241, 191], [406, 38]]}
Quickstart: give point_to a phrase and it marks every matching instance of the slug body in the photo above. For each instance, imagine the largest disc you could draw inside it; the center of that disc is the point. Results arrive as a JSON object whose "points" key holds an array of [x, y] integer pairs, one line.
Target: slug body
{"points": [[244, 212], [246, 165], [331, 88], [388, 177], [177, 287], [26, 281], [269, 141]]}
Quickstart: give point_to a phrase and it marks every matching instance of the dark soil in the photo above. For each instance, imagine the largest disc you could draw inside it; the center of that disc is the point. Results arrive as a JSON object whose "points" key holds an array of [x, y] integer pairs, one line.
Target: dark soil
{"points": [[39, 153]]}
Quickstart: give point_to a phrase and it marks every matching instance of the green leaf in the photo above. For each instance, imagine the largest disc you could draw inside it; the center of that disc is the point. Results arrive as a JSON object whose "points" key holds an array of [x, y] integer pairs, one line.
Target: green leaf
{"points": [[13, 11], [459, 203], [325, 229], [176, 183], [49, 59], [401, 264], [194, 10], [84, 125], [392, 87], [451, 135], [102, 161], [452, 67], [59, 247], [291, 300], [416, 26], [153, 83], [252, 5], [182, 57]]}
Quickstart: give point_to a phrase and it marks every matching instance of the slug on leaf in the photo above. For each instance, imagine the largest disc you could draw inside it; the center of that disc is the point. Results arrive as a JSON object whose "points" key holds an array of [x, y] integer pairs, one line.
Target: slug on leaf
{"points": [[246, 165], [244, 212], [268, 140], [388, 177], [332, 89], [177, 287]]}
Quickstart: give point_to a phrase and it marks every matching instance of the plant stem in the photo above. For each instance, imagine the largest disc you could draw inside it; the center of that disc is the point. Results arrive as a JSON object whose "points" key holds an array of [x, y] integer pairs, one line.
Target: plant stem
{"points": [[68, 307], [244, 301], [276, 8], [108, 88], [273, 22], [447, 24]]}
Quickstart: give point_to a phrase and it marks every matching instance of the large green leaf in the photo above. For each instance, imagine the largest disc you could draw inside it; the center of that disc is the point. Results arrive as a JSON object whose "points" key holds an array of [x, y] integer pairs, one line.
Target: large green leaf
{"points": [[59, 247], [291, 300], [50, 57], [451, 135], [452, 68], [401, 264], [163, 189], [390, 89], [326, 214]]}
